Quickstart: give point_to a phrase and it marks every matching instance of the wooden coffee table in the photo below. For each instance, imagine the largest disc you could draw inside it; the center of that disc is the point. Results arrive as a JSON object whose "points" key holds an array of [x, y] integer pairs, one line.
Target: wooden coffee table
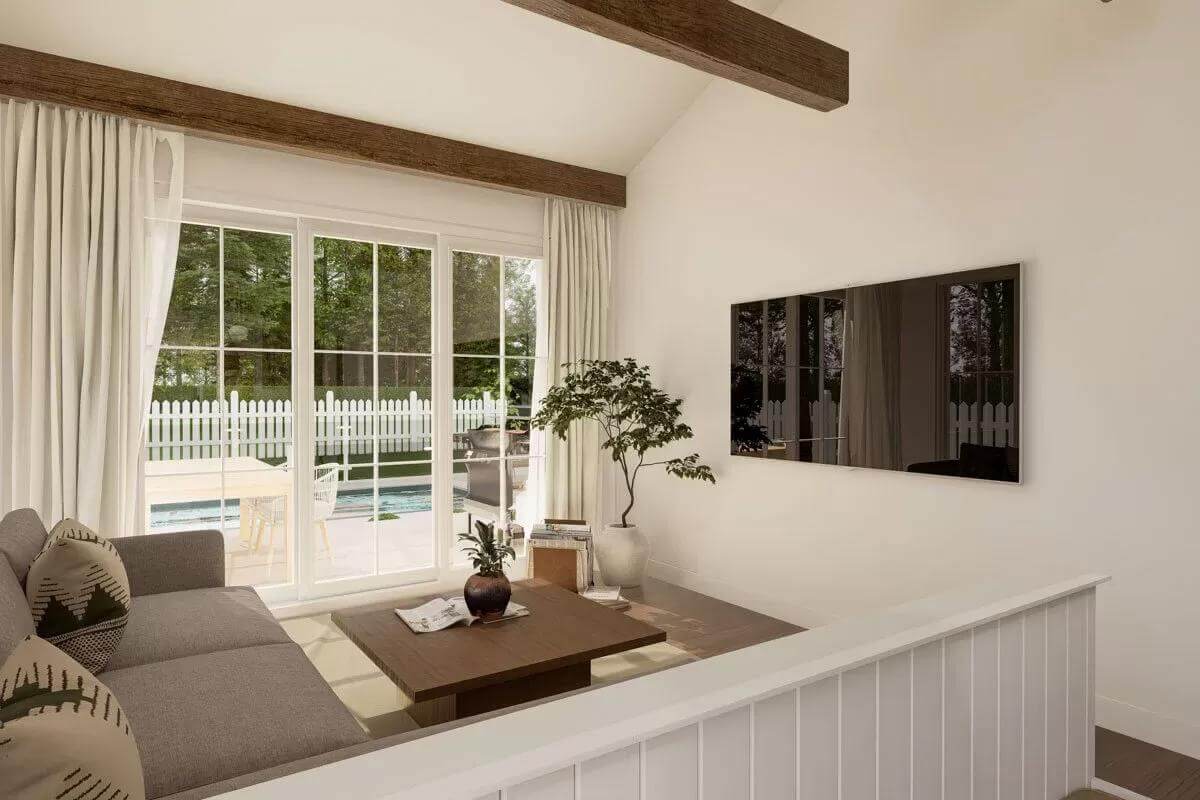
{"points": [[463, 671]]}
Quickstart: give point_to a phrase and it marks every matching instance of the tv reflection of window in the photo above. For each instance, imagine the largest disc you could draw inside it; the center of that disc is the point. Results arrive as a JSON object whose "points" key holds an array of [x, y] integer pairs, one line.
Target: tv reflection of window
{"points": [[919, 375], [981, 370], [786, 378]]}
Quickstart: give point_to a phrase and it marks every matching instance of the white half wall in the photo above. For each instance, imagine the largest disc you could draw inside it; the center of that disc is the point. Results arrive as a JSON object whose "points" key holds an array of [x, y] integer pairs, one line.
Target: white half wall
{"points": [[1064, 134]]}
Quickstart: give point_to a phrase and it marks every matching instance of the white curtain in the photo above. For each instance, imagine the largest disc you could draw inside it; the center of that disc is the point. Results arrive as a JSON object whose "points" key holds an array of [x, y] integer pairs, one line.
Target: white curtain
{"points": [[579, 253], [89, 210], [870, 407]]}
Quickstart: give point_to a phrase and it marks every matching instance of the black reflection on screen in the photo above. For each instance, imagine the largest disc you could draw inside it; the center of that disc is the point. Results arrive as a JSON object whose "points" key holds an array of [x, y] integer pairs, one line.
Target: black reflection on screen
{"points": [[920, 375]]}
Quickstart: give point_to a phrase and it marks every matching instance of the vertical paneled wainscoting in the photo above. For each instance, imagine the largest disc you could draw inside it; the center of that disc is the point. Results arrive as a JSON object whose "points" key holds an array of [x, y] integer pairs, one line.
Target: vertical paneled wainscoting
{"points": [[982, 694]]}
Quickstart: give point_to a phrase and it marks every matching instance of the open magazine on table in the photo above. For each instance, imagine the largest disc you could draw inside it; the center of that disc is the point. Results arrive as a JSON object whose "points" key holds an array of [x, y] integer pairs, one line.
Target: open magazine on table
{"points": [[441, 613]]}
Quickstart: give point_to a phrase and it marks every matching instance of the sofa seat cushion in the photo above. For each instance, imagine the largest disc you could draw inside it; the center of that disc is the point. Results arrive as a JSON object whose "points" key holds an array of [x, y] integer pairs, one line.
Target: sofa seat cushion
{"points": [[173, 625], [206, 718]]}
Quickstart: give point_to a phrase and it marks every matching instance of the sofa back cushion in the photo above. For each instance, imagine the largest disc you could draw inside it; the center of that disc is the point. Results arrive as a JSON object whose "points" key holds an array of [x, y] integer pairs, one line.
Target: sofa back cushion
{"points": [[79, 594], [16, 621], [22, 535]]}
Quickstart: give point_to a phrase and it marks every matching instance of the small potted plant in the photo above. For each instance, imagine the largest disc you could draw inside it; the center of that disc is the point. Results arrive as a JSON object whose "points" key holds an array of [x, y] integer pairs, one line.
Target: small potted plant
{"points": [[635, 418], [488, 591]]}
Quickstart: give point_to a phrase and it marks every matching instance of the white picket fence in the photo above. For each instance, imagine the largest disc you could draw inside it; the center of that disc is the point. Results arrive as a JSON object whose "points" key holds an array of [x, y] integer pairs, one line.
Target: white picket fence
{"points": [[263, 428], [991, 424], [823, 418]]}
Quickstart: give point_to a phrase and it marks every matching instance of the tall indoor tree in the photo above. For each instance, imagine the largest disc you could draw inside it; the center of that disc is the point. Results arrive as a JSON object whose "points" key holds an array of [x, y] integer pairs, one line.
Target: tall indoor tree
{"points": [[636, 418]]}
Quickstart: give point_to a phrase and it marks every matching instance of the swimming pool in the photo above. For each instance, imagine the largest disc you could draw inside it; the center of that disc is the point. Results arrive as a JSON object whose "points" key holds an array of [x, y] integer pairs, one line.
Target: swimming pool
{"points": [[350, 502]]}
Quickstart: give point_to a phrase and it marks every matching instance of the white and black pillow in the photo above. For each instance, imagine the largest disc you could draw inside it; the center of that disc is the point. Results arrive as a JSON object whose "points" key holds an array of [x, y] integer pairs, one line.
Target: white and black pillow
{"points": [[78, 593], [62, 733]]}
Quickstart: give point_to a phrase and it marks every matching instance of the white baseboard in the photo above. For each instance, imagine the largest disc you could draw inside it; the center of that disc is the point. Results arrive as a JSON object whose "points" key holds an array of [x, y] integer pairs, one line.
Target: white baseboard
{"points": [[450, 582], [1116, 791], [762, 603], [1149, 726], [323, 605]]}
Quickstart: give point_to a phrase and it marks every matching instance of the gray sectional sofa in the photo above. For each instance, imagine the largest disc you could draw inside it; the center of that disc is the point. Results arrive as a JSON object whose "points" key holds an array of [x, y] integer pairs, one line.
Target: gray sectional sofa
{"points": [[217, 694]]}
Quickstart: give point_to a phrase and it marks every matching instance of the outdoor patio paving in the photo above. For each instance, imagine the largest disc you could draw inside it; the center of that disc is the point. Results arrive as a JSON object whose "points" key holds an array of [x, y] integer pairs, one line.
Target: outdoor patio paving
{"points": [[355, 543], [359, 545]]}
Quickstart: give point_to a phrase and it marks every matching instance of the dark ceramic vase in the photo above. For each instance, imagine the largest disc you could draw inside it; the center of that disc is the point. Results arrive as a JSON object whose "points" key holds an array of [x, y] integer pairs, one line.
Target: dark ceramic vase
{"points": [[487, 598]]}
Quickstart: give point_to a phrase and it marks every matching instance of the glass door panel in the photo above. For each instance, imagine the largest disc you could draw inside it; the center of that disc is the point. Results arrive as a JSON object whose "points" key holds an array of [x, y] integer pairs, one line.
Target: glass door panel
{"points": [[522, 367], [497, 464], [220, 435], [373, 423]]}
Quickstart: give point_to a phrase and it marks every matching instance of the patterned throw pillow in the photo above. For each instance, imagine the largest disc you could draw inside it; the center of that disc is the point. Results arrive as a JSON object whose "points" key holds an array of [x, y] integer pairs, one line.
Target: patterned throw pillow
{"points": [[79, 594], [62, 734]]}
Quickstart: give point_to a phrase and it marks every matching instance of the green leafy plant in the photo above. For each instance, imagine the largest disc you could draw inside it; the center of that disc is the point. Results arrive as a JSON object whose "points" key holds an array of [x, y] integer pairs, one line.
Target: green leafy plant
{"points": [[488, 553], [635, 416]]}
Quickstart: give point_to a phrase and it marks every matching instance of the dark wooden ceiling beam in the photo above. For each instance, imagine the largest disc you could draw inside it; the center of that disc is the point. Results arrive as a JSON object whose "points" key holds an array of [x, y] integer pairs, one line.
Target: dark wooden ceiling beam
{"points": [[31, 75], [719, 37]]}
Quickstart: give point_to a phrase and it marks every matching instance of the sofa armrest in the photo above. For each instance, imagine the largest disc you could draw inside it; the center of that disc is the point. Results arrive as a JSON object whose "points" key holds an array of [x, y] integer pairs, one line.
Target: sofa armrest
{"points": [[173, 562]]}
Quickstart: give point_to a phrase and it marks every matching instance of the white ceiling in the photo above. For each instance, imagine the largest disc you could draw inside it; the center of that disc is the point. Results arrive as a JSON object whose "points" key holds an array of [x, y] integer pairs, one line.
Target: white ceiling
{"points": [[477, 70]]}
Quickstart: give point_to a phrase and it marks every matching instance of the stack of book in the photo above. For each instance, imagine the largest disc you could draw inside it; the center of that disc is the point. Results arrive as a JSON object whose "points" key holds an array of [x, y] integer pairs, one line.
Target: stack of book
{"points": [[608, 596], [566, 531]]}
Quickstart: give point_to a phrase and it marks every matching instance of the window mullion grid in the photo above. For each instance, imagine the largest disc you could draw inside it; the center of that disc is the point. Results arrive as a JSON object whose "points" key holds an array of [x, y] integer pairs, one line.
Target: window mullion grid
{"points": [[819, 400], [304, 393], [433, 394], [503, 402], [978, 363], [443, 394], [765, 361], [222, 406], [375, 399]]}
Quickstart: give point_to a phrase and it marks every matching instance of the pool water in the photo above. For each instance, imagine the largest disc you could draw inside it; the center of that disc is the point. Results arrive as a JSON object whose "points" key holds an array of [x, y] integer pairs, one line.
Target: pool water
{"points": [[350, 502]]}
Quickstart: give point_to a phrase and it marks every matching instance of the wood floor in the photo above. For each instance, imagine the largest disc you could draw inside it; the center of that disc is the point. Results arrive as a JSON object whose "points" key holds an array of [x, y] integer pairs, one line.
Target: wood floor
{"points": [[701, 625], [1146, 769], [704, 627]]}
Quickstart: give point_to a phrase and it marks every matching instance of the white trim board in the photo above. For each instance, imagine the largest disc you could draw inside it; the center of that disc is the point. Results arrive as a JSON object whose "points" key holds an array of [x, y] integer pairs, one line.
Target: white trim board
{"points": [[1116, 791], [451, 583], [1158, 729]]}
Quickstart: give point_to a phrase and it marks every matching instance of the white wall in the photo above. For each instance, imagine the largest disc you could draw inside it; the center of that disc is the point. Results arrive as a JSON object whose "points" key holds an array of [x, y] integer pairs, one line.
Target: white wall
{"points": [[272, 181], [1060, 133]]}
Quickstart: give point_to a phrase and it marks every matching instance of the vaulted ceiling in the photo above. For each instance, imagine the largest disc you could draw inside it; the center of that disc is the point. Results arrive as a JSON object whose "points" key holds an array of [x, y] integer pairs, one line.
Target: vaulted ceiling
{"points": [[477, 70]]}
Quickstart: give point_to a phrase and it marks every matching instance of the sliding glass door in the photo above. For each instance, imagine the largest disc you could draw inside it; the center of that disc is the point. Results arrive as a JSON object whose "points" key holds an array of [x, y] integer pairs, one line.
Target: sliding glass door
{"points": [[341, 401]]}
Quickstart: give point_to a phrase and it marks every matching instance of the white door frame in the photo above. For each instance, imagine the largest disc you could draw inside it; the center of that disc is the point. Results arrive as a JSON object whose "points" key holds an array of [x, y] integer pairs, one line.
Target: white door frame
{"points": [[309, 587]]}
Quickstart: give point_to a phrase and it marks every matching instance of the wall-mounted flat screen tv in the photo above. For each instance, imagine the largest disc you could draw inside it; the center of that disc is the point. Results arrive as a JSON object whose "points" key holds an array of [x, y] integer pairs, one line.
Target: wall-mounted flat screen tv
{"points": [[920, 375]]}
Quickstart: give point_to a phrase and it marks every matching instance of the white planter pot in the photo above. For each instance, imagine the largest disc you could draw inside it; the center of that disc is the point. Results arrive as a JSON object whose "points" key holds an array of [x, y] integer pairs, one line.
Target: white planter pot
{"points": [[623, 553]]}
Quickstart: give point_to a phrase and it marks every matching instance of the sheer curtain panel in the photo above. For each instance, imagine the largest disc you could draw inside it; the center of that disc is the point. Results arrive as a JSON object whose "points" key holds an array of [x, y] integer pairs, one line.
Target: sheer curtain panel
{"points": [[579, 253], [871, 380], [89, 210]]}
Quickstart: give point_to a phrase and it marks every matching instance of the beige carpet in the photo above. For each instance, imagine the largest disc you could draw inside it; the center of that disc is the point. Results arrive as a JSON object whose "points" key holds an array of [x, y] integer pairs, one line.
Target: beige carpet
{"points": [[379, 706]]}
